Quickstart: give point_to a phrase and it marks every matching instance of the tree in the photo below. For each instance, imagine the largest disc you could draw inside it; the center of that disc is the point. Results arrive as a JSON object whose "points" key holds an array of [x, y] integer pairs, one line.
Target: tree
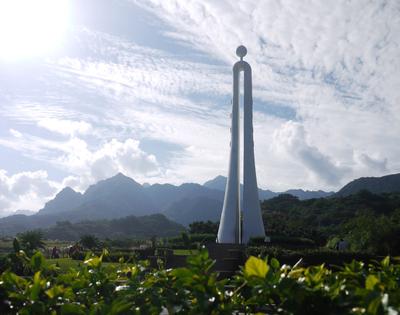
{"points": [[89, 241], [185, 239], [377, 234], [202, 227], [31, 241]]}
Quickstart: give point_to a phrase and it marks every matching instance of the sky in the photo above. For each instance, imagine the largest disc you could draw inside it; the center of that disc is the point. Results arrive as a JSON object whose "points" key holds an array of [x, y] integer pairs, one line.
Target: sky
{"points": [[92, 88]]}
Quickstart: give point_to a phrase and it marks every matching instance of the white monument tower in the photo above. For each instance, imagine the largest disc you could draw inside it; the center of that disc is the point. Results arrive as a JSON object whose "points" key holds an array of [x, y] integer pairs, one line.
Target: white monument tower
{"points": [[232, 229]]}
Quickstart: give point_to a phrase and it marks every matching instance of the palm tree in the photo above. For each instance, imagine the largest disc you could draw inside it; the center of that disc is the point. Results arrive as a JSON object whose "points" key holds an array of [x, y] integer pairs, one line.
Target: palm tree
{"points": [[89, 241], [31, 240]]}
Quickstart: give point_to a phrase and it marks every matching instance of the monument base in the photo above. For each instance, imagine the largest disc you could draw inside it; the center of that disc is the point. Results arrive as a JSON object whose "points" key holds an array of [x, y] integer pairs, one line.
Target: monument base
{"points": [[228, 258]]}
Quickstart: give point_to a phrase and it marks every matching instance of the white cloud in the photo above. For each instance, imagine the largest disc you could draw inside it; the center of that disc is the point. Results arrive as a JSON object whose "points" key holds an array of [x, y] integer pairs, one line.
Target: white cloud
{"points": [[25, 190], [65, 127], [144, 75], [15, 133], [112, 157], [350, 47], [373, 164], [291, 139]]}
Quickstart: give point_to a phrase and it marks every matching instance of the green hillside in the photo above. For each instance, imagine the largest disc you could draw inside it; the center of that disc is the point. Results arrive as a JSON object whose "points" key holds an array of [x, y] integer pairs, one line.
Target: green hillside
{"points": [[128, 227], [368, 221], [377, 185]]}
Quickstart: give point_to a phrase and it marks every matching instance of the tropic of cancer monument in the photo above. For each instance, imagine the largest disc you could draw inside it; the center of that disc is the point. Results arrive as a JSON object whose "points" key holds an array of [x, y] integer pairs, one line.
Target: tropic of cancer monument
{"points": [[238, 225]]}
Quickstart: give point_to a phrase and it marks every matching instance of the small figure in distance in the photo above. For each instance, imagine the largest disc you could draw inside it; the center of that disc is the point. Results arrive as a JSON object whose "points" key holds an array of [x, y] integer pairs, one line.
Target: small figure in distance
{"points": [[342, 245], [54, 253]]}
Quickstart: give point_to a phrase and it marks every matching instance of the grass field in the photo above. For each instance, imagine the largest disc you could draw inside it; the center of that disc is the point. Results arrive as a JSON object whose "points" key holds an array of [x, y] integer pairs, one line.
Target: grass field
{"points": [[6, 245], [185, 252], [65, 263]]}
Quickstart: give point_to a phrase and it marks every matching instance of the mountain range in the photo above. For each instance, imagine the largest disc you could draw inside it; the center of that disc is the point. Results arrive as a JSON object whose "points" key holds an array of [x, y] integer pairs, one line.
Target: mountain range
{"points": [[121, 196], [219, 183]]}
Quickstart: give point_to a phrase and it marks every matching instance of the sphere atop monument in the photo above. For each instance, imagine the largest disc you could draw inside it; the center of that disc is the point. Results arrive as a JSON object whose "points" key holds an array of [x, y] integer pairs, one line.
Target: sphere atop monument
{"points": [[241, 51]]}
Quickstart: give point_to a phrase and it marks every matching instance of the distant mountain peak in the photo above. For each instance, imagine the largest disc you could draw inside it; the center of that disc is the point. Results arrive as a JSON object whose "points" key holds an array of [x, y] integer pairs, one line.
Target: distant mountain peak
{"points": [[66, 199], [218, 178], [119, 174], [115, 181], [120, 177], [67, 191], [218, 183]]}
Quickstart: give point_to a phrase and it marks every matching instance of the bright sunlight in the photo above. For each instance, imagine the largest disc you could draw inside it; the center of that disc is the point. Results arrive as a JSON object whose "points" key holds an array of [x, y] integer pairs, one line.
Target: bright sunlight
{"points": [[31, 28]]}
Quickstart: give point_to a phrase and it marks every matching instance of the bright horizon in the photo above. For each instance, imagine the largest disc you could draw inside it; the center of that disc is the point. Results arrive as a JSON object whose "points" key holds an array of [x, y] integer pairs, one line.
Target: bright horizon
{"points": [[90, 89]]}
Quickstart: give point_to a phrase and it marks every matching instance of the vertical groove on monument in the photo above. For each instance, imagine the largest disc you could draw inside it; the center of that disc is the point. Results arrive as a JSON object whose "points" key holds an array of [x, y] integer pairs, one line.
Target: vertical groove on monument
{"points": [[253, 225], [230, 226]]}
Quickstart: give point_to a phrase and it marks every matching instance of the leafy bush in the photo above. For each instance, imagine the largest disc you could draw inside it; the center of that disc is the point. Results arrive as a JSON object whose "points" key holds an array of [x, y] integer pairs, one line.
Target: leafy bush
{"points": [[89, 241], [295, 242], [310, 256], [256, 241], [204, 227], [30, 241], [202, 238], [263, 285]]}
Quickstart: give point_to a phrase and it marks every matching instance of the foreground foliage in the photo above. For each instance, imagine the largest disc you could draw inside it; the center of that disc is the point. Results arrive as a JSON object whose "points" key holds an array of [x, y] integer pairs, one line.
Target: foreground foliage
{"points": [[262, 286]]}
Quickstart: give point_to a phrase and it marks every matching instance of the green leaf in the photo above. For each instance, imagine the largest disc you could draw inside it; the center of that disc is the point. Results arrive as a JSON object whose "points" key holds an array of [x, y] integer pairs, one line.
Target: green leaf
{"points": [[256, 267], [72, 309], [274, 263], [385, 262], [374, 305], [37, 261], [12, 278], [370, 282], [55, 291], [35, 289], [93, 262], [119, 307]]}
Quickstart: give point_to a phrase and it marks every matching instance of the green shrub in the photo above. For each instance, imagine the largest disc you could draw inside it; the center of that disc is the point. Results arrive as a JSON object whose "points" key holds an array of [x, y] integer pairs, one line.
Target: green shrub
{"points": [[262, 286], [256, 241], [202, 238], [309, 256]]}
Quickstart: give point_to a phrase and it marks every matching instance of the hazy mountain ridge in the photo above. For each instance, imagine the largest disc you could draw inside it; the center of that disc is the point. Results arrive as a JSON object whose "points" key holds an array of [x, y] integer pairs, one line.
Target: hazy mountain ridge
{"points": [[120, 196], [219, 183], [188, 210], [112, 198], [24, 212], [165, 195]]}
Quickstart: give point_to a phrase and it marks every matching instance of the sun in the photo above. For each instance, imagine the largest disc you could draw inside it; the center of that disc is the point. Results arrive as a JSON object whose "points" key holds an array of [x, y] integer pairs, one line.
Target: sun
{"points": [[31, 27]]}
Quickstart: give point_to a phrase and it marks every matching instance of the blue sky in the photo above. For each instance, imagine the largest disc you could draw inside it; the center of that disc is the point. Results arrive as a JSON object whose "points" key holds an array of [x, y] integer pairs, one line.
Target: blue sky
{"points": [[92, 88]]}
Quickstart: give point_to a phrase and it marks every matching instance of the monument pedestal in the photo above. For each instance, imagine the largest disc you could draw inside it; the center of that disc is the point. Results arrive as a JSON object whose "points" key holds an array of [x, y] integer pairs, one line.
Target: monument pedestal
{"points": [[228, 258]]}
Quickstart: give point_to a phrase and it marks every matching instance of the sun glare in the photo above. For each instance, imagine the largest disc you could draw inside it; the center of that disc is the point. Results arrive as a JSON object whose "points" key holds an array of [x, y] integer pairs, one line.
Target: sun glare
{"points": [[31, 27]]}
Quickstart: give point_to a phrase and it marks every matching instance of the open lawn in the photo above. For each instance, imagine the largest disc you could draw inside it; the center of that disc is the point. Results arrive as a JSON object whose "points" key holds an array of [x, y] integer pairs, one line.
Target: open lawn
{"points": [[185, 252], [66, 263]]}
